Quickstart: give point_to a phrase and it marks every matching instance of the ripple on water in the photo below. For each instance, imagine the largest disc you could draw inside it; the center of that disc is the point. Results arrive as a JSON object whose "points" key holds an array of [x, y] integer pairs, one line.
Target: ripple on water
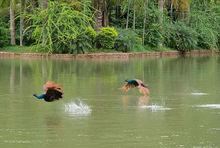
{"points": [[211, 106], [78, 108], [155, 107]]}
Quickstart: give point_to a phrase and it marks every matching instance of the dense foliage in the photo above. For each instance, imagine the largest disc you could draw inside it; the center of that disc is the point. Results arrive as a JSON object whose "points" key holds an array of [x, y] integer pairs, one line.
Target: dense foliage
{"points": [[58, 28], [106, 37], [127, 40], [181, 37], [4, 31], [79, 26]]}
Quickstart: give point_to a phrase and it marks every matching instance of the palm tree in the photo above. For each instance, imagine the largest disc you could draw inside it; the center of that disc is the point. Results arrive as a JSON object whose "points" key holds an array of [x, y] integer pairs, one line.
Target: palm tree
{"points": [[101, 17], [98, 14], [160, 6], [12, 22], [11, 4], [22, 11], [128, 13], [144, 22]]}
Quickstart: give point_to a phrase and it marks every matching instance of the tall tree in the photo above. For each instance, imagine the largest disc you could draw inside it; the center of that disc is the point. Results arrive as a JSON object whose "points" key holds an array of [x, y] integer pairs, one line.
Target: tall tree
{"points": [[101, 15], [144, 22], [160, 6], [12, 22], [22, 11], [128, 13], [134, 16]]}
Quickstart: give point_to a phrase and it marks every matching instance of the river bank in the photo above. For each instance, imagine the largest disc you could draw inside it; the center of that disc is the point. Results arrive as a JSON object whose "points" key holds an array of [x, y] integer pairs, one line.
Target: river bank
{"points": [[154, 54]]}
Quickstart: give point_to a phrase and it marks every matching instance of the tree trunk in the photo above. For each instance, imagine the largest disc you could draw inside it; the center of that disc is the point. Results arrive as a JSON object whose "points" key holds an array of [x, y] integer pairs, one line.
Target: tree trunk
{"points": [[160, 6], [101, 15], [105, 20], [43, 4], [127, 21], [134, 19], [171, 10], [12, 22], [144, 23], [22, 11]]}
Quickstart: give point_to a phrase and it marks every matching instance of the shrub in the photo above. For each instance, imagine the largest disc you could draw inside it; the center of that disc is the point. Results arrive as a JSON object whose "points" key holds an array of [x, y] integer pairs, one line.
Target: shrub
{"points": [[181, 37], [85, 41], [106, 38], [126, 40], [153, 35]]}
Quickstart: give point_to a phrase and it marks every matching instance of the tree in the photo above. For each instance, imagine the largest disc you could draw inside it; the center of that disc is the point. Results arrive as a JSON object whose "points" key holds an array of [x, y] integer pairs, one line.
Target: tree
{"points": [[22, 11], [12, 22], [101, 17], [144, 22], [128, 14], [160, 6]]}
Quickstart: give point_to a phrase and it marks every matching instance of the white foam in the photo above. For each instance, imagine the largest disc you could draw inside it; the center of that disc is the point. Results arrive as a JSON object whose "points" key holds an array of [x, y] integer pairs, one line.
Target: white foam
{"points": [[212, 106], [198, 94], [155, 107], [78, 108]]}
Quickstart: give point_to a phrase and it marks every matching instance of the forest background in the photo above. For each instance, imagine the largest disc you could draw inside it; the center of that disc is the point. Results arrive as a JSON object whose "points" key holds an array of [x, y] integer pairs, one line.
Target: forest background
{"points": [[85, 26]]}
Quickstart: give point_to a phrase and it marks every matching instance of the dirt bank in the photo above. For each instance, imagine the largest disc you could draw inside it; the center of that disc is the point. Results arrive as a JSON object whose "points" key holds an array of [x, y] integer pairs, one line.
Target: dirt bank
{"points": [[110, 55]]}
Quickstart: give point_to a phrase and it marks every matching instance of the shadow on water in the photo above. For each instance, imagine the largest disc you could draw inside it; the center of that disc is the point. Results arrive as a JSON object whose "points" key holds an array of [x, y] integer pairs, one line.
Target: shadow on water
{"points": [[143, 102]]}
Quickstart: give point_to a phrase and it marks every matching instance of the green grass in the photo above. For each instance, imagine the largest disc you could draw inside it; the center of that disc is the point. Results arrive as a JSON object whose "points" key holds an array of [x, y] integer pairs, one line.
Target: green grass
{"points": [[33, 49], [18, 49], [162, 49], [22, 49]]}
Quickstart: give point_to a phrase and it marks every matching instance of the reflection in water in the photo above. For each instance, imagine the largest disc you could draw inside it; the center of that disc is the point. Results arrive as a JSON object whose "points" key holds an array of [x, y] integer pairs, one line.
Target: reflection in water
{"points": [[58, 124], [142, 101], [12, 78], [53, 121], [125, 100], [54, 128]]}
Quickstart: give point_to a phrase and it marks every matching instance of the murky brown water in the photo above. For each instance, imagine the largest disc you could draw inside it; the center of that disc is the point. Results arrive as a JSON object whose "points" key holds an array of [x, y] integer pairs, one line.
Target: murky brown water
{"points": [[183, 109]]}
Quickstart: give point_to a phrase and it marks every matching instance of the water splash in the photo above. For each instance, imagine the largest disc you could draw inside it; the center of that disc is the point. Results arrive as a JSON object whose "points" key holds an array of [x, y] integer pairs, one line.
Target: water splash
{"points": [[78, 108], [198, 94], [211, 106], [155, 107]]}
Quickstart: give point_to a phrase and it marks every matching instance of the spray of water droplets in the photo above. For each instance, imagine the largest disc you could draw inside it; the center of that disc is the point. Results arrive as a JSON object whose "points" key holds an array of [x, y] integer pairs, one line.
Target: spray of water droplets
{"points": [[78, 108], [155, 108]]}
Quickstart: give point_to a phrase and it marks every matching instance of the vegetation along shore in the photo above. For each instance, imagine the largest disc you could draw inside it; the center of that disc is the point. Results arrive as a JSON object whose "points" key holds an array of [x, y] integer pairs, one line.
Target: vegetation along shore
{"points": [[109, 26]]}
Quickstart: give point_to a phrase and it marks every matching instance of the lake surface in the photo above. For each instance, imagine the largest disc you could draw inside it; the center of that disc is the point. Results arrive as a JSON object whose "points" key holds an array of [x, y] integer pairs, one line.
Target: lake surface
{"points": [[183, 109]]}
